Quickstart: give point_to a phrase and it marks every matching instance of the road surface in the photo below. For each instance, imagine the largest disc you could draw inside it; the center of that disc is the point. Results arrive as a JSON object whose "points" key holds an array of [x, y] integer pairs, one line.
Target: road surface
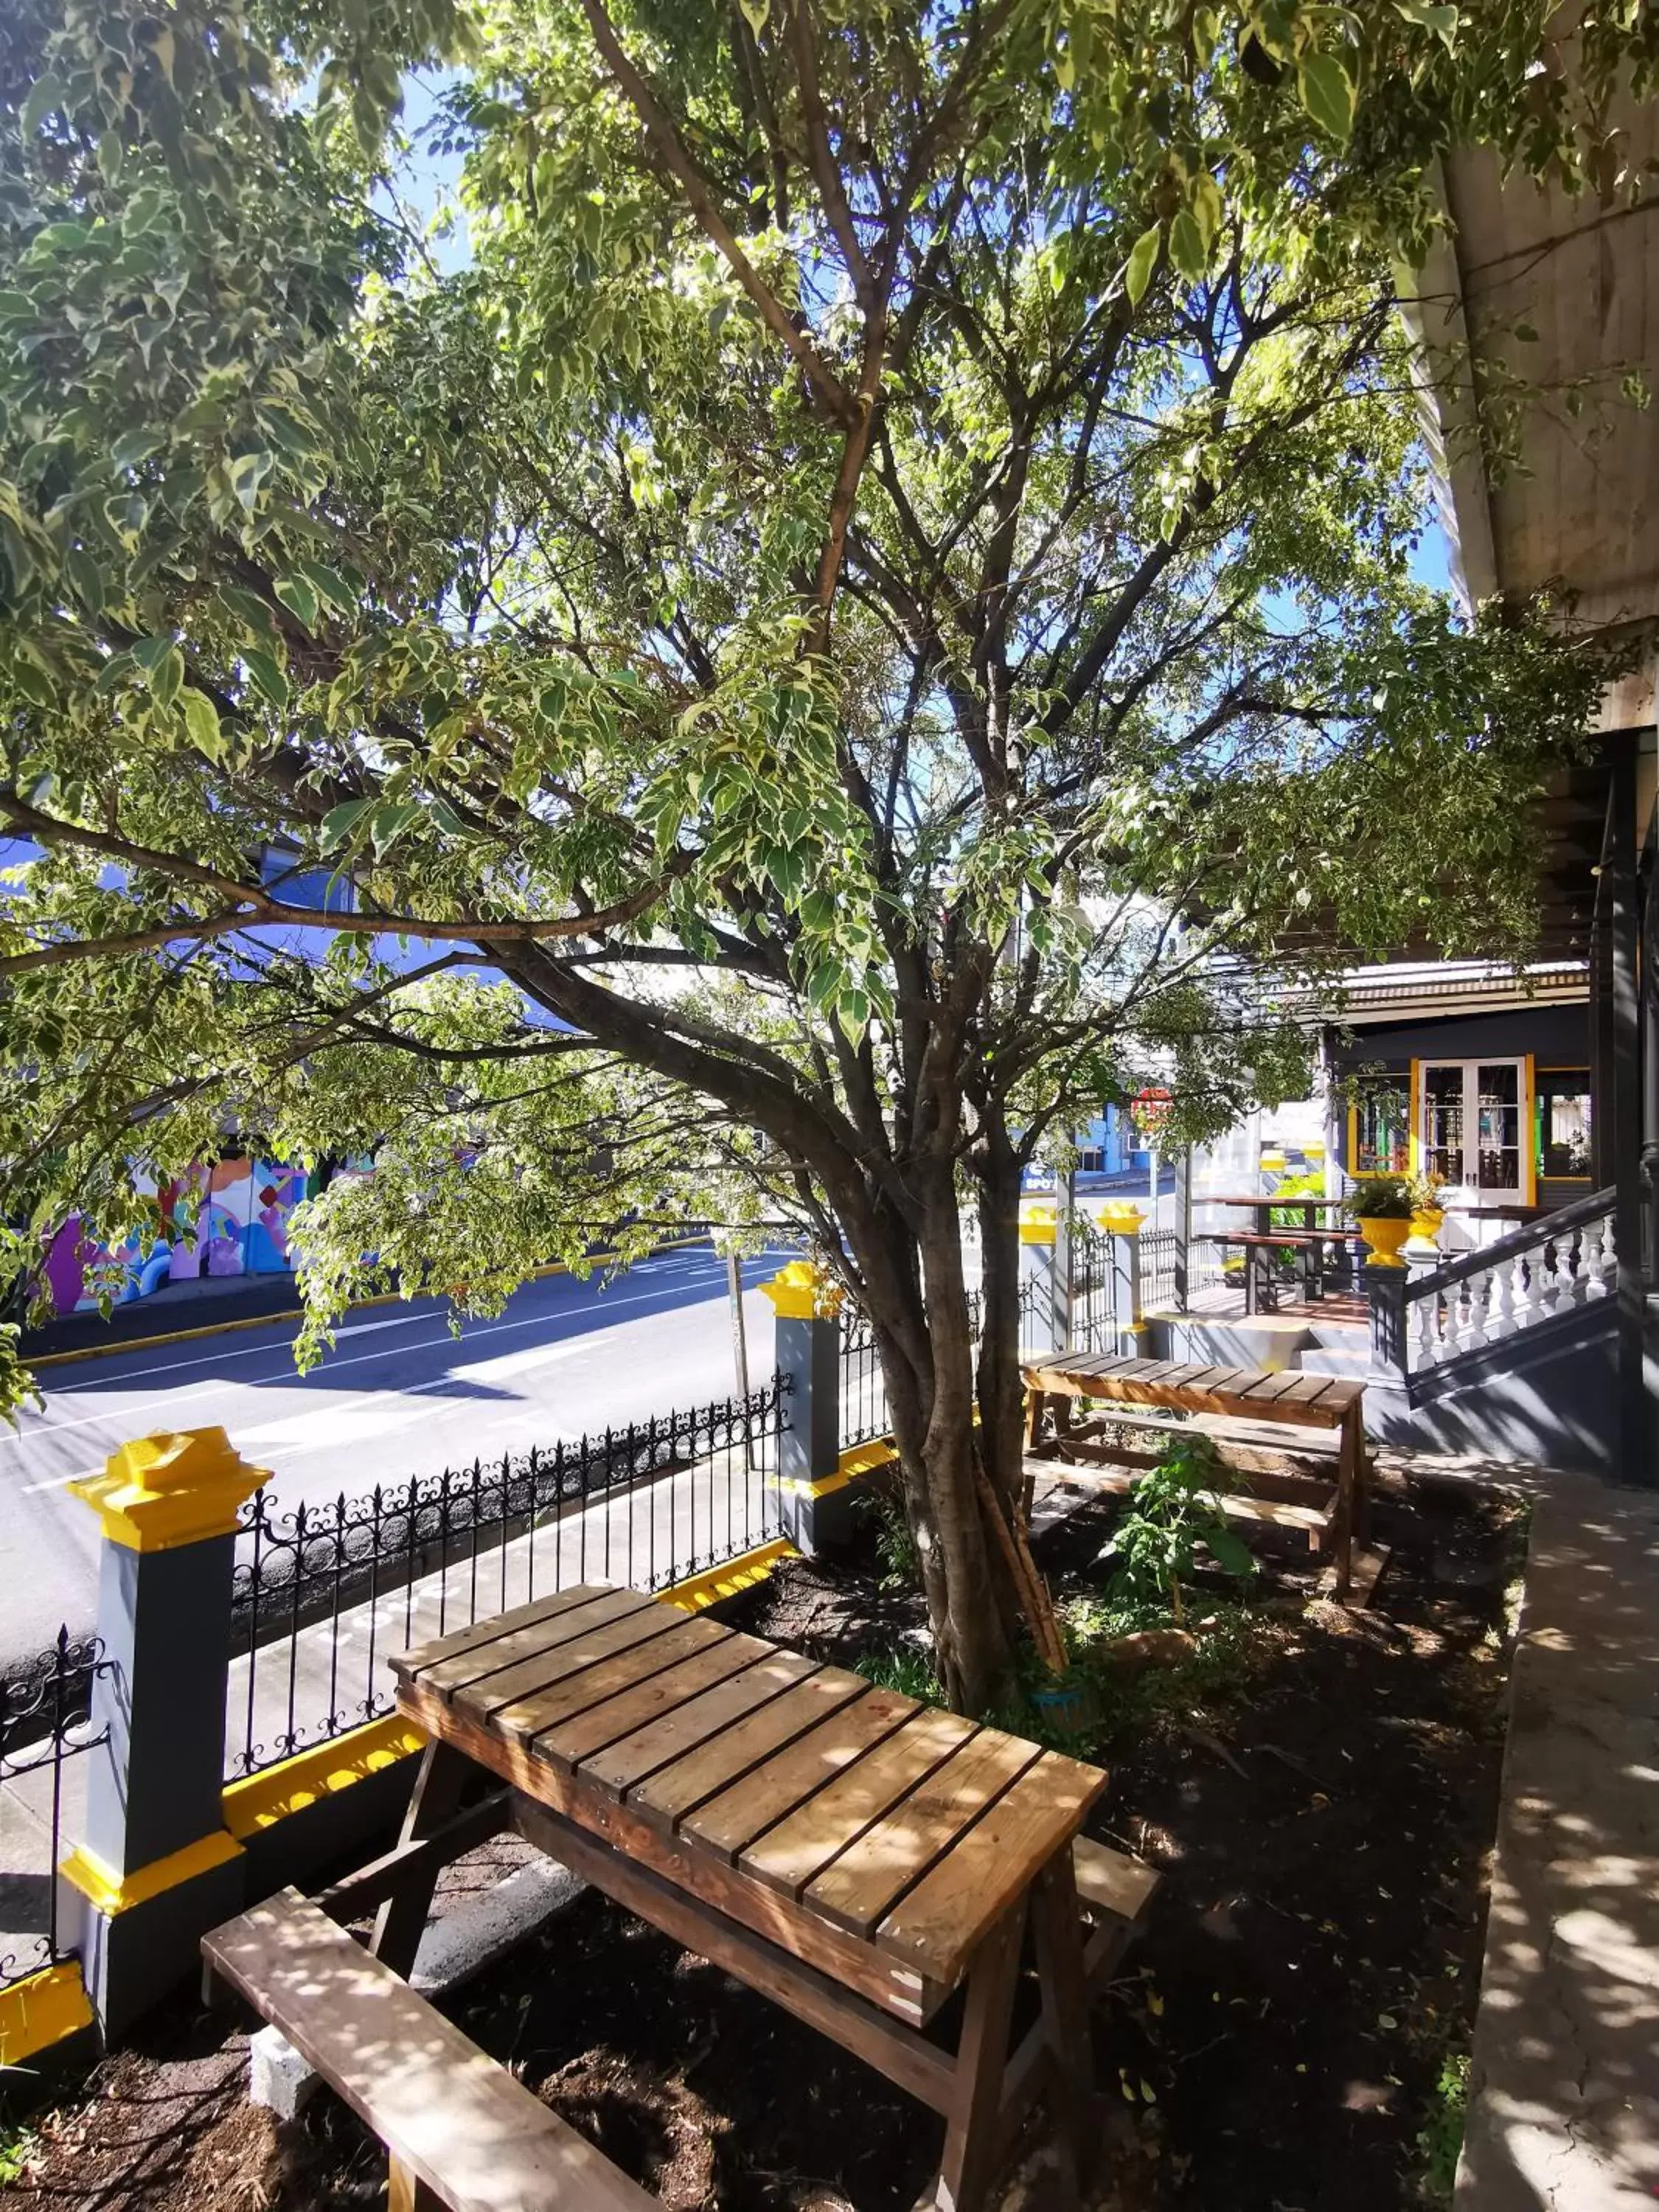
{"points": [[399, 1396]]}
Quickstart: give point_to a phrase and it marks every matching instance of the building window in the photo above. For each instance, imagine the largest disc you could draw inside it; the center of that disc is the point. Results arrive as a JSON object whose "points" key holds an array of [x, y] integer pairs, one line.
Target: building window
{"points": [[1381, 1126], [1563, 1121]]}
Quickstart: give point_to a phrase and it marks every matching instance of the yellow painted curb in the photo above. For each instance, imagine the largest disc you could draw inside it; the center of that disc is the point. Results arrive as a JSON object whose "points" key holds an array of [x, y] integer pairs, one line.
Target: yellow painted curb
{"points": [[259, 1800], [697, 1591], [111, 1893], [291, 1313], [41, 2010]]}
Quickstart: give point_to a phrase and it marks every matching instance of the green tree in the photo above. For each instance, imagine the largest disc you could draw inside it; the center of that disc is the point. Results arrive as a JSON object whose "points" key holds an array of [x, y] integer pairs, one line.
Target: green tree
{"points": [[874, 599]]}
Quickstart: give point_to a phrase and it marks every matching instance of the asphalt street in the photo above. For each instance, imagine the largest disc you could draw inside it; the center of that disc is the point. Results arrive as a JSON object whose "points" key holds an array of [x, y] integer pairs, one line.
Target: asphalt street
{"points": [[399, 1396]]}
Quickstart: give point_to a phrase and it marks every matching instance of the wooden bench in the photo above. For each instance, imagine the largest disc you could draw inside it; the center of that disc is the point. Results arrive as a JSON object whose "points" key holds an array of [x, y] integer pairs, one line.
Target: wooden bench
{"points": [[458, 2130]]}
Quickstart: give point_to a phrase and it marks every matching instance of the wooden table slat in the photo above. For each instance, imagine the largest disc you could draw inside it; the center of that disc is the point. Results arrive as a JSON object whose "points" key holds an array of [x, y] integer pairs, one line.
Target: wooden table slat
{"points": [[661, 1741], [563, 1661], [407, 1664], [860, 1885], [792, 1853], [570, 1743], [950, 1911], [729, 1823], [574, 1692], [688, 1782], [533, 1641]]}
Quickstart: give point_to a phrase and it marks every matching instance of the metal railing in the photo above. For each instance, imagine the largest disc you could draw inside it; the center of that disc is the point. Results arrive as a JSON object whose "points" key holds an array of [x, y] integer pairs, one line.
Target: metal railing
{"points": [[325, 1594], [44, 1724]]}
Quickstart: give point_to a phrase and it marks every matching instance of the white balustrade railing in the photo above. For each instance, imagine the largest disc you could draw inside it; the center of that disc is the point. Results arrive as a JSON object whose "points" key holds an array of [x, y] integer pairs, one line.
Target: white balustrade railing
{"points": [[1480, 1305]]}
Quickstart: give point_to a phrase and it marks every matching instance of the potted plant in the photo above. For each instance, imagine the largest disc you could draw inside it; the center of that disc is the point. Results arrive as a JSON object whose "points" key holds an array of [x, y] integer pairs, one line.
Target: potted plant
{"points": [[1428, 1207], [1382, 1207]]}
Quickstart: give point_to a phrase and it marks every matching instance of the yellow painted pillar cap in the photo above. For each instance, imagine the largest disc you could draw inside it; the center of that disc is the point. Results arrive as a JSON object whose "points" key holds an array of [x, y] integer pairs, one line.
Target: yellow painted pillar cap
{"points": [[1038, 1221], [160, 1491], [802, 1291], [1124, 1220]]}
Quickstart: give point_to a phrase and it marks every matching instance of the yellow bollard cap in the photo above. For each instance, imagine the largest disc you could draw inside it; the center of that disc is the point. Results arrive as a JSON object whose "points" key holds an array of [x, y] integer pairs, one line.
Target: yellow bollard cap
{"points": [[158, 1493], [801, 1291]]}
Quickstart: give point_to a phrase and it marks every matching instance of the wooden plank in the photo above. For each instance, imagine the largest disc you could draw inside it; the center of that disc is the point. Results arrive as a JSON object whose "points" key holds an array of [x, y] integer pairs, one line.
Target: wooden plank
{"points": [[1268, 1389], [562, 1701], [1311, 1388], [675, 1789], [792, 1854], [899, 2052], [729, 1823], [1110, 1884], [574, 1740], [618, 1768], [533, 1641], [455, 2120], [864, 1883], [421, 1656], [897, 1987], [943, 1920], [563, 1661]]}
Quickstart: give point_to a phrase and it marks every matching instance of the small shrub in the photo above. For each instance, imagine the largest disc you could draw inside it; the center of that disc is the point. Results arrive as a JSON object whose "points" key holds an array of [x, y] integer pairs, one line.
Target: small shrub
{"points": [[910, 1673], [1440, 2141], [1172, 1509]]}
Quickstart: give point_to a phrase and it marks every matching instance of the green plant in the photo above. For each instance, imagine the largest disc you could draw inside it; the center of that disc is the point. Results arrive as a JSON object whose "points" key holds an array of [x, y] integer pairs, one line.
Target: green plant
{"points": [[1381, 1198], [1441, 2137], [17, 2148], [1428, 1192], [1173, 1509], [895, 1543], [910, 1673]]}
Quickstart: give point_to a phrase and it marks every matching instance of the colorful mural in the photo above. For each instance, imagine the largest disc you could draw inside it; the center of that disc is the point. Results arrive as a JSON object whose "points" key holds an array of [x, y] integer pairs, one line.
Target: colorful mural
{"points": [[229, 1217]]}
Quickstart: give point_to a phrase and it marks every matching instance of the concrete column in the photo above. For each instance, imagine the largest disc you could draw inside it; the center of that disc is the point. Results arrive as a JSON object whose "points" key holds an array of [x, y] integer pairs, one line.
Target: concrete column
{"points": [[816, 1504], [1041, 1289], [157, 1867], [1385, 1291]]}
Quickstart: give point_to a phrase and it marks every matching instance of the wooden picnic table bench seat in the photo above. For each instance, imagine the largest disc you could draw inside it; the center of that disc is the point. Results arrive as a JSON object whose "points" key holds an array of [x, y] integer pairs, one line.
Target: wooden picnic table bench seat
{"points": [[458, 2130], [1316, 1252]]}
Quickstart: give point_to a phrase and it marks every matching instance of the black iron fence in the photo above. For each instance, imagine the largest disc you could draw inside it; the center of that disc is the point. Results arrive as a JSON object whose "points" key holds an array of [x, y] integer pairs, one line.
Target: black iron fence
{"points": [[325, 1594], [45, 1725]]}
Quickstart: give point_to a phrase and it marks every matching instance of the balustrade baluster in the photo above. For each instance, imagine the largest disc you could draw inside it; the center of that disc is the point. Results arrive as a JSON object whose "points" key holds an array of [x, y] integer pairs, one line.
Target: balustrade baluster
{"points": [[1598, 1260], [1427, 1348], [1472, 1332], [1501, 1323]]}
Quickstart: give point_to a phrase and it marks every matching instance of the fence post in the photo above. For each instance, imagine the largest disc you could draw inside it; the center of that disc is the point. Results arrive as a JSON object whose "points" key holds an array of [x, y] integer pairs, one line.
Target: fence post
{"points": [[1128, 1287], [156, 1868], [807, 1329], [1041, 1286]]}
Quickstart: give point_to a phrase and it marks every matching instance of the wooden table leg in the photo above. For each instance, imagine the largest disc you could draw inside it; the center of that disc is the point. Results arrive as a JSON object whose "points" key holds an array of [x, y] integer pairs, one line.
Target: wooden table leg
{"points": [[1058, 1921], [407, 2192], [401, 1920], [1350, 1475], [972, 2125]]}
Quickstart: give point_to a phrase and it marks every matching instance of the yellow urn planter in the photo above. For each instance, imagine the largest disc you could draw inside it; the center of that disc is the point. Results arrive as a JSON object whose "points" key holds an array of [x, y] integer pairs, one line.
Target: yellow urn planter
{"points": [[1427, 1223], [1386, 1238]]}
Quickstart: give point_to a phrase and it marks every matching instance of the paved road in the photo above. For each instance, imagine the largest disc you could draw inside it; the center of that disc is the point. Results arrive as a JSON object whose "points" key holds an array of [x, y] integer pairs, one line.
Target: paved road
{"points": [[398, 1396]]}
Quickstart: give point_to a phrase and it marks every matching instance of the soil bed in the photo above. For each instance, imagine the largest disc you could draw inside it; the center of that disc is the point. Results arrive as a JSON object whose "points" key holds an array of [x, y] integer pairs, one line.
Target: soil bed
{"points": [[1319, 1788]]}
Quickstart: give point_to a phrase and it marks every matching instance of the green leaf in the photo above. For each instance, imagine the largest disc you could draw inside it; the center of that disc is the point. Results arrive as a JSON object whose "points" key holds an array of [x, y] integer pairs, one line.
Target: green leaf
{"points": [[202, 721], [1228, 1551], [1138, 270], [87, 577], [297, 596], [1327, 93], [1187, 246], [340, 821], [44, 93], [389, 821], [267, 674]]}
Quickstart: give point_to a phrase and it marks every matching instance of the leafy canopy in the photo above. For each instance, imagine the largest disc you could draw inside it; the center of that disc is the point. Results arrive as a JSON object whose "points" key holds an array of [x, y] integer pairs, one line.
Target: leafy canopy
{"points": [[846, 632]]}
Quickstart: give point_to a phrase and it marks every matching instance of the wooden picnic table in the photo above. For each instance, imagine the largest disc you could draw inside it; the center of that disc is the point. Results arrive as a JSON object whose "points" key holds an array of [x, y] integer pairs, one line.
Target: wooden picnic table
{"points": [[850, 1853], [1246, 1394]]}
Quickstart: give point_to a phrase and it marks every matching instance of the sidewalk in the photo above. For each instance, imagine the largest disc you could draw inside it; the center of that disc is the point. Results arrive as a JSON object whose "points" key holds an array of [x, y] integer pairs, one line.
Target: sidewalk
{"points": [[1564, 2093], [215, 1302]]}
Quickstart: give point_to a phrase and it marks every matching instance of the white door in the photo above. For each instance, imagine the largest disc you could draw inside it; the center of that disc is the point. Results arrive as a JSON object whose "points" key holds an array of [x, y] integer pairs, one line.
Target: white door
{"points": [[1474, 1128]]}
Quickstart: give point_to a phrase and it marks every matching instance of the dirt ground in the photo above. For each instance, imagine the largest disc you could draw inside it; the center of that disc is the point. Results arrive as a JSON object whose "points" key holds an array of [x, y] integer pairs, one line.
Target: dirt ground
{"points": [[1323, 1817]]}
